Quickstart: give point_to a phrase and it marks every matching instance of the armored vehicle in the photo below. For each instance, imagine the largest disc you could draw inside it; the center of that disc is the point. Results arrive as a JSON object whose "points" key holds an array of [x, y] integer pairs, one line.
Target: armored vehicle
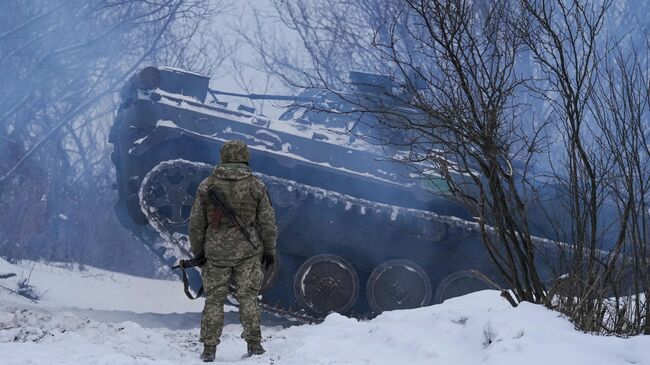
{"points": [[359, 233]]}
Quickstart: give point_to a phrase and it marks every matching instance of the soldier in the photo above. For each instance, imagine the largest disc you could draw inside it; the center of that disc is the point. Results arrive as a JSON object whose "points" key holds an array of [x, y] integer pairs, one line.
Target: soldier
{"points": [[230, 257]]}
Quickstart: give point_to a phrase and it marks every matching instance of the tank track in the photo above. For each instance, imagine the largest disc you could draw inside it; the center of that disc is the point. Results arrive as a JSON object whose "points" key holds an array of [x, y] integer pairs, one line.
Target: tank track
{"points": [[175, 245], [289, 314]]}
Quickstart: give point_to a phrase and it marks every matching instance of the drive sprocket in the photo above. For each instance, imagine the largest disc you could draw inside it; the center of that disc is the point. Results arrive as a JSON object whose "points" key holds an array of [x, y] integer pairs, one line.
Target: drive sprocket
{"points": [[168, 191]]}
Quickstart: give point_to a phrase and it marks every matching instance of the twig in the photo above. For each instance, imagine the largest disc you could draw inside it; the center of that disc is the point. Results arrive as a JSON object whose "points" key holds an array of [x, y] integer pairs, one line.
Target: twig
{"points": [[30, 274], [17, 293]]}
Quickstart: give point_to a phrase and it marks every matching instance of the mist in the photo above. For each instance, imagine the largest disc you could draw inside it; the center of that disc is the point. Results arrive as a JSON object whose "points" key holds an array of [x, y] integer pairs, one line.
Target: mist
{"points": [[405, 161], [61, 65]]}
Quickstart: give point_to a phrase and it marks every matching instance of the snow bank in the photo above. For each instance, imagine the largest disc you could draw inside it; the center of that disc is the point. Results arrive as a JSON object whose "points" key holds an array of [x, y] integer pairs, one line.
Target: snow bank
{"points": [[66, 286], [37, 337], [480, 328]]}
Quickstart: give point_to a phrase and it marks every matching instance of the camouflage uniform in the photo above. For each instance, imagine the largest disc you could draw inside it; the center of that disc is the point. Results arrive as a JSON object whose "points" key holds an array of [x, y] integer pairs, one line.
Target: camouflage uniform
{"points": [[230, 257]]}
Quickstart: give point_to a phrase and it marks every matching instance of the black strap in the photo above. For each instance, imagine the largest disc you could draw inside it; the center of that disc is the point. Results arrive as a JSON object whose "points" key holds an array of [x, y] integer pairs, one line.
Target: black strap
{"points": [[186, 283], [219, 200]]}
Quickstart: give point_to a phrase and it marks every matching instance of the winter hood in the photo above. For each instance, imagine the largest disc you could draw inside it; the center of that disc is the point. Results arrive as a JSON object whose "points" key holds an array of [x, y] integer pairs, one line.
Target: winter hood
{"points": [[232, 171]]}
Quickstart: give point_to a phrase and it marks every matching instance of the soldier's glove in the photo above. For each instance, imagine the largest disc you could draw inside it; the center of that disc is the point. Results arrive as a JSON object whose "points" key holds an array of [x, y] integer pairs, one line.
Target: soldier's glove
{"points": [[268, 260]]}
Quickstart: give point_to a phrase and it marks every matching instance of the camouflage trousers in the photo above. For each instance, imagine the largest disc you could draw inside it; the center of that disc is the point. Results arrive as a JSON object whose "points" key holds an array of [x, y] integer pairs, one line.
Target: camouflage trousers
{"points": [[246, 275]]}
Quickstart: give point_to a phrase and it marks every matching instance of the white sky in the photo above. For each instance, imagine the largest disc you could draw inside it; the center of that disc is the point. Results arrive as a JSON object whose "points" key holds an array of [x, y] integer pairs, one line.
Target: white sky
{"points": [[242, 16]]}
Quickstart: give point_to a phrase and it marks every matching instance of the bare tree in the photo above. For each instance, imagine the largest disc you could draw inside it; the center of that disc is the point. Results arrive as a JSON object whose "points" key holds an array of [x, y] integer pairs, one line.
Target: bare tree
{"points": [[597, 103], [61, 63], [451, 102], [478, 92], [613, 298], [461, 76], [326, 38]]}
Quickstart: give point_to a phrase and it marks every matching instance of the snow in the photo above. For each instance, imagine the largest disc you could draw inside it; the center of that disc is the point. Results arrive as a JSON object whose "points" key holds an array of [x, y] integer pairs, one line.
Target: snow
{"points": [[97, 289], [255, 143], [165, 123], [272, 135], [393, 214], [291, 128], [179, 70], [391, 211], [175, 244], [480, 328]]}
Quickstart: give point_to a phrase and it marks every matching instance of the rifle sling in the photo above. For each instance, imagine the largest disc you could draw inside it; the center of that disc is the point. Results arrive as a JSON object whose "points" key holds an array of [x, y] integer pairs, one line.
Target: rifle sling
{"points": [[186, 284], [231, 214]]}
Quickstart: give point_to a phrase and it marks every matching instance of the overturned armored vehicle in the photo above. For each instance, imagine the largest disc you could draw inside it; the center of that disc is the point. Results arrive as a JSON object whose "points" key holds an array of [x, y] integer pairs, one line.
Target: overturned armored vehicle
{"points": [[357, 234]]}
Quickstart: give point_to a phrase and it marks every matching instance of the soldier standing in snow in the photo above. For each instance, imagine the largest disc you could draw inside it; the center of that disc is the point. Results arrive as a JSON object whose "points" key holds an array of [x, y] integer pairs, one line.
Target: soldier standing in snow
{"points": [[231, 256]]}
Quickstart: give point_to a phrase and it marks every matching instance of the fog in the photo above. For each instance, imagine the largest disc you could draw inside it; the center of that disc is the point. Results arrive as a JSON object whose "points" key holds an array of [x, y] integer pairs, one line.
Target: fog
{"points": [[63, 62], [61, 65]]}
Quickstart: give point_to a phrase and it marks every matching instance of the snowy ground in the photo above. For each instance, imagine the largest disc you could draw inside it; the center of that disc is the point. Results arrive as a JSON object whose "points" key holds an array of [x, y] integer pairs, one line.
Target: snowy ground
{"points": [[99, 317]]}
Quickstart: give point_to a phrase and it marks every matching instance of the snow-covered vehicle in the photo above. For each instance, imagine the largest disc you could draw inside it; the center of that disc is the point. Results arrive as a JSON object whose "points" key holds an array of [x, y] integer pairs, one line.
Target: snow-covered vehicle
{"points": [[358, 234]]}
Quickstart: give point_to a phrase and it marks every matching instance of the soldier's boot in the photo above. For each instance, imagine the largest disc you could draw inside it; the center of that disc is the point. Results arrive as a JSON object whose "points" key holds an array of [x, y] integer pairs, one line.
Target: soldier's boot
{"points": [[209, 352], [255, 348]]}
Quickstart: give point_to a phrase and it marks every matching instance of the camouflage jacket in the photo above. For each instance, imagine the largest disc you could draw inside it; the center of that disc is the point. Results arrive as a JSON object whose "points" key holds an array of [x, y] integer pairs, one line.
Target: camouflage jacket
{"points": [[248, 196]]}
